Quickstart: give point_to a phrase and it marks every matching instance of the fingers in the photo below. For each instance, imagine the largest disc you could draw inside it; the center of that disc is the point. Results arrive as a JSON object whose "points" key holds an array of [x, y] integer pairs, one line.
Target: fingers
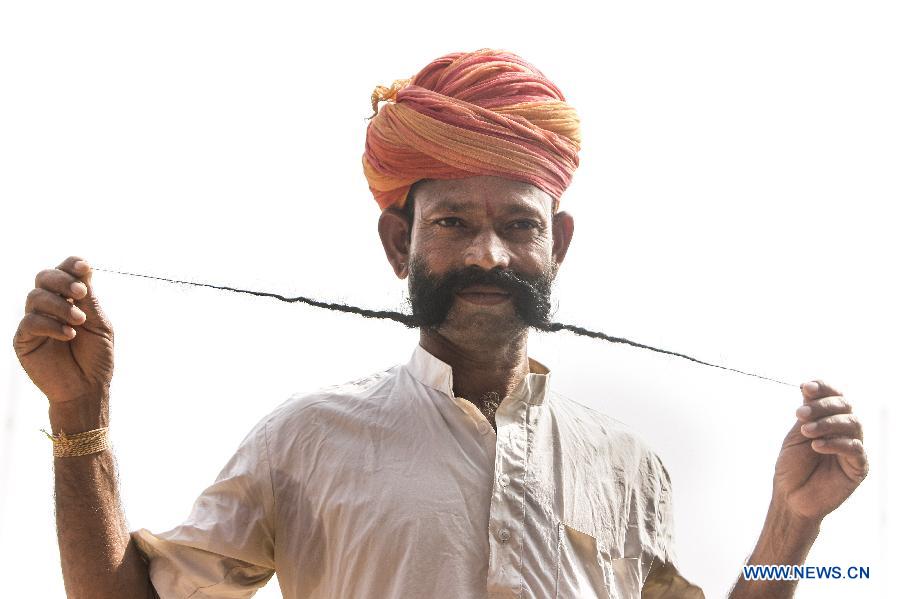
{"points": [[50, 304], [62, 299], [78, 268], [81, 273], [825, 406], [49, 309], [843, 446], [60, 282], [827, 413], [852, 449], [841, 425], [815, 389], [35, 325], [833, 428]]}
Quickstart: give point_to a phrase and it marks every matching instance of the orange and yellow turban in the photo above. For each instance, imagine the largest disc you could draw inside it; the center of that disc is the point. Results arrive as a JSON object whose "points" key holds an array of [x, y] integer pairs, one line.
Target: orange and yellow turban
{"points": [[487, 112]]}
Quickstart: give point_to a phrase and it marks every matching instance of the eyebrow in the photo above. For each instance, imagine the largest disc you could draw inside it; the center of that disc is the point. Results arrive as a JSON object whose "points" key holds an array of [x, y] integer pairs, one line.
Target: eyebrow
{"points": [[457, 207], [526, 210]]}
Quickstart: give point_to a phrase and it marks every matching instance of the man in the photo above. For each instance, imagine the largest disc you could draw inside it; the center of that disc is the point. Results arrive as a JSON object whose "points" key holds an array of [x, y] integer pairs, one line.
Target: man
{"points": [[460, 473]]}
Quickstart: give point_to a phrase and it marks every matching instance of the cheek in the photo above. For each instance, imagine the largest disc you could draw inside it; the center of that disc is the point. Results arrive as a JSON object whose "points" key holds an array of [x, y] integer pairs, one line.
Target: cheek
{"points": [[424, 240], [438, 249], [538, 253]]}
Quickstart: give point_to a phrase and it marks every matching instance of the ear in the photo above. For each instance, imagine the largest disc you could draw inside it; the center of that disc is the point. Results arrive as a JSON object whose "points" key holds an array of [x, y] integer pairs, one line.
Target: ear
{"points": [[394, 230], [563, 229]]}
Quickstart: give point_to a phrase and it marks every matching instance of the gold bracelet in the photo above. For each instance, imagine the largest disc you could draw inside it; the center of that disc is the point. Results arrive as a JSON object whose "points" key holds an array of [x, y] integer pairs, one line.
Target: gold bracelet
{"points": [[88, 442]]}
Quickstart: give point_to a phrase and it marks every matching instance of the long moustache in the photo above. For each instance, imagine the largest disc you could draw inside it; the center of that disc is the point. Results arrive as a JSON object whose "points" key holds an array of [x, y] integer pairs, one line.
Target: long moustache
{"points": [[409, 321], [432, 297]]}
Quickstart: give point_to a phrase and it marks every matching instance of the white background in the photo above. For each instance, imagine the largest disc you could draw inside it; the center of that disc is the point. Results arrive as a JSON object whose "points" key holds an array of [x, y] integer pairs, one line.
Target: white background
{"points": [[735, 202]]}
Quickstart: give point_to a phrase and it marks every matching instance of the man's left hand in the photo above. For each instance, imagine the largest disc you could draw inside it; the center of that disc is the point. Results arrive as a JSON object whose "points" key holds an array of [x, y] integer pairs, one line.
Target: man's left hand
{"points": [[823, 459]]}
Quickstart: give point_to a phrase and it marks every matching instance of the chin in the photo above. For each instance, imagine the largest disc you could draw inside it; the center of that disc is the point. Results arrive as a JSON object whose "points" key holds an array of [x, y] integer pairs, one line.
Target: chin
{"points": [[481, 324]]}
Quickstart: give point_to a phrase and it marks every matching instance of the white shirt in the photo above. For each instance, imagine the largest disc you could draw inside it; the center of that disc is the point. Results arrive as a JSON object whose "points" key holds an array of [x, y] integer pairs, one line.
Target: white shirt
{"points": [[391, 487]]}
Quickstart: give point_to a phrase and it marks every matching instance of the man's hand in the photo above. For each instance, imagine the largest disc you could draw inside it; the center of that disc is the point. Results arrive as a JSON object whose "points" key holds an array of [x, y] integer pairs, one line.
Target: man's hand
{"points": [[821, 463], [65, 344], [822, 459]]}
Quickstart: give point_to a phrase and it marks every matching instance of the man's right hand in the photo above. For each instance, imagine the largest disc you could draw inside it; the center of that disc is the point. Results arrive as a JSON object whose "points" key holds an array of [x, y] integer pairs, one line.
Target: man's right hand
{"points": [[65, 344]]}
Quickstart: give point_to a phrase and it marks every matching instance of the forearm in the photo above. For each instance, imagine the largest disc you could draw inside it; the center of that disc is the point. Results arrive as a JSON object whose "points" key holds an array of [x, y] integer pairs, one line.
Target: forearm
{"points": [[99, 559], [784, 539]]}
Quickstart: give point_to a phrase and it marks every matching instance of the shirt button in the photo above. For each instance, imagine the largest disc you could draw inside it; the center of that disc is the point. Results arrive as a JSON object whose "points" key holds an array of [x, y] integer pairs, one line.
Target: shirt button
{"points": [[503, 480], [484, 428], [503, 535]]}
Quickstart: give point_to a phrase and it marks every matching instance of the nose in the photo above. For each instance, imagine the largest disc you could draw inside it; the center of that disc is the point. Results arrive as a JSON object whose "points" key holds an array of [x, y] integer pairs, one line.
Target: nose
{"points": [[487, 250]]}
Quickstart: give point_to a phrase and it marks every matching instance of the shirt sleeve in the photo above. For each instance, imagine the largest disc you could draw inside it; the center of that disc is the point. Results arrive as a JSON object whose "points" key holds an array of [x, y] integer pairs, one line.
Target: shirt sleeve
{"points": [[664, 581], [225, 548]]}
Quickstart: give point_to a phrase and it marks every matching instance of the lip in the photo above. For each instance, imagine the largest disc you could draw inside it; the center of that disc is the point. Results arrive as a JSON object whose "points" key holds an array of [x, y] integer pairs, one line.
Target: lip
{"points": [[484, 289], [484, 295]]}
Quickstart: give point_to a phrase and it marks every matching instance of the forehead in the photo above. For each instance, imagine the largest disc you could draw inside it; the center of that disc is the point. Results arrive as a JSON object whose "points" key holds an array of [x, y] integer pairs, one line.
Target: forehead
{"points": [[492, 195]]}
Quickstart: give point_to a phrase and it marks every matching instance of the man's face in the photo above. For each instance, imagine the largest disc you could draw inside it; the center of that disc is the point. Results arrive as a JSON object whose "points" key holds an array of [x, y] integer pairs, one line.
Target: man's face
{"points": [[481, 256]]}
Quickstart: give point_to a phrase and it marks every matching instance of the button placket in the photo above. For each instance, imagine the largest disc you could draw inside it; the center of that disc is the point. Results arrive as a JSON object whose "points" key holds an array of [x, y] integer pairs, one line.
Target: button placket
{"points": [[507, 502]]}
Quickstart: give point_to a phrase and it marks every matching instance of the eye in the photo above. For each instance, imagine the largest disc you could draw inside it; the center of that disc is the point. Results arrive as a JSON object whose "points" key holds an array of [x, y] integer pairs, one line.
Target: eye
{"points": [[524, 225], [449, 221]]}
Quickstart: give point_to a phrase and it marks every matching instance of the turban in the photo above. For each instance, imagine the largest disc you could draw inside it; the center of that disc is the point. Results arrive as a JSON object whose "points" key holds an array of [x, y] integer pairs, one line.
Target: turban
{"points": [[487, 112]]}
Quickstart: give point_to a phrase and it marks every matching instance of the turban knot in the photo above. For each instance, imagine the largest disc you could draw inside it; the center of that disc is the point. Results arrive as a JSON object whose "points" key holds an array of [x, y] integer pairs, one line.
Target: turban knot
{"points": [[487, 112]]}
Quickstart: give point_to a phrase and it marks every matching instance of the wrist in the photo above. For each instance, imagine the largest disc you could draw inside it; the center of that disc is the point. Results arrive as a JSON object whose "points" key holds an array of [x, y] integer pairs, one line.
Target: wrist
{"points": [[786, 537], [784, 518], [79, 415]]}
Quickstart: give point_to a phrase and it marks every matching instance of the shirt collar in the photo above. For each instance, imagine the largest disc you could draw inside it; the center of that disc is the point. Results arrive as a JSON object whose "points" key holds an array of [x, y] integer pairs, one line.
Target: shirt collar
{"points": [[437, 374]]}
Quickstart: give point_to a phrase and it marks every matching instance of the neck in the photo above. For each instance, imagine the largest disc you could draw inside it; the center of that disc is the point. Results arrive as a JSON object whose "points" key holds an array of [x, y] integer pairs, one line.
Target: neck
{"points": [[481, 371]]}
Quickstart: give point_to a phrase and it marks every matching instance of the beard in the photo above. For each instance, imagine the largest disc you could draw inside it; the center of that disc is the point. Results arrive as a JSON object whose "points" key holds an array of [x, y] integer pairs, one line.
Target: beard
{"points": [[431, 296]]}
